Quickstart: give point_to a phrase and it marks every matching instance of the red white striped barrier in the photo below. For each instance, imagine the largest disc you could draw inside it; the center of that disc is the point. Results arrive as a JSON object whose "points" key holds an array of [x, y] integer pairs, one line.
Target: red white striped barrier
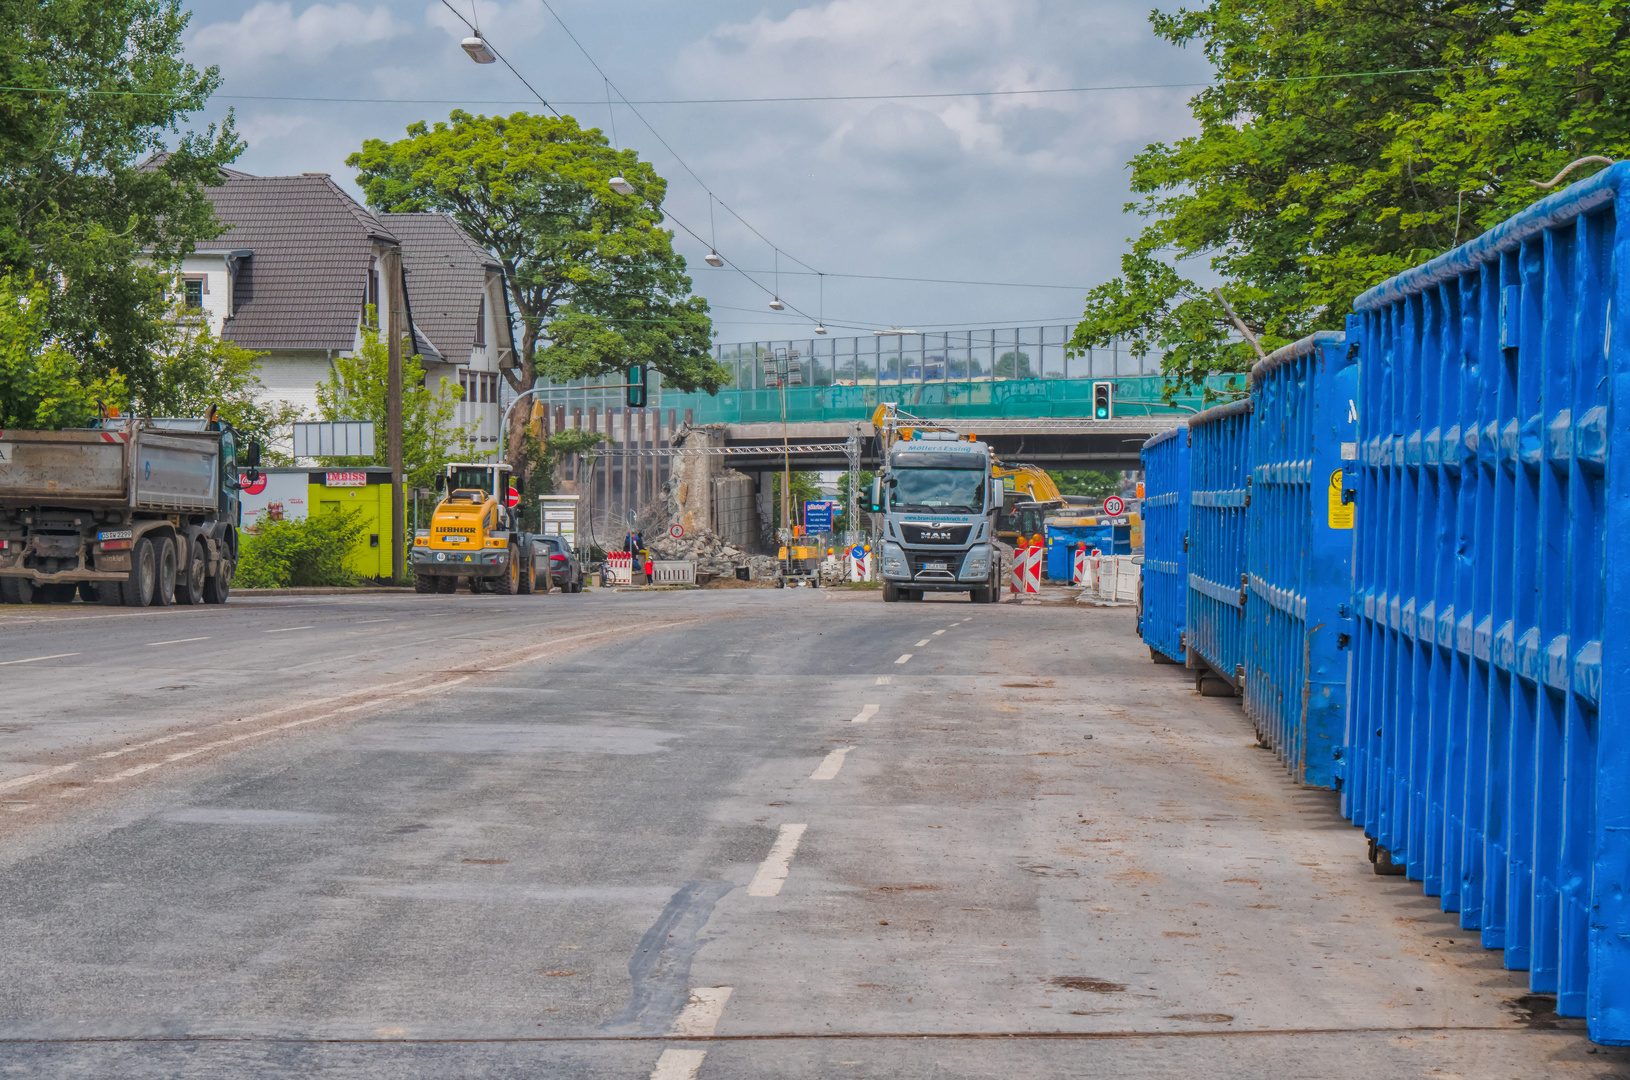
{"points": [[619, 568]]}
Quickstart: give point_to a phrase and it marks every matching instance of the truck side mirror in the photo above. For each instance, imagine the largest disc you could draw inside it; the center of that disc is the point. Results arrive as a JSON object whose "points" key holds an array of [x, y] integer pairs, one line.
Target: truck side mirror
{"points": [[996, 493], [252, 458], [876, 506], [441, 483]]}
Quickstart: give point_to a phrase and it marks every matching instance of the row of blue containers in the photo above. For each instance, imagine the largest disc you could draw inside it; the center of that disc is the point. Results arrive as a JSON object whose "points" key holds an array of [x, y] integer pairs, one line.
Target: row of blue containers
{"points": [[1399, 548]]}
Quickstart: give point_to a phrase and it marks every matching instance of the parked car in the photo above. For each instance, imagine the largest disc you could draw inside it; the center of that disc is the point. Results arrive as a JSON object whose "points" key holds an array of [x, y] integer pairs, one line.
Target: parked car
{"points": [[565, 571]]}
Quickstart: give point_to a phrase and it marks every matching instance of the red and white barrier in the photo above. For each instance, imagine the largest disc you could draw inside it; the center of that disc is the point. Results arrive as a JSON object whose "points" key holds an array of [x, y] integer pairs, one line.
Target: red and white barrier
{"points": [[1079, 577], [860, 566], [619, 568], [1033, 556]]}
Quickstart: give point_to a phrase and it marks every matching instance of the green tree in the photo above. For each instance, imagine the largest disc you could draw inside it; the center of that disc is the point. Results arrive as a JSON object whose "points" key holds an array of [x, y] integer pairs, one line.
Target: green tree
{"points": [[42, 387], [355, 390], [805, 487], [841, 522], [100, 190], [592, 274], [193, 371], [1090, 483], [1341, 143], [1014, 365]]}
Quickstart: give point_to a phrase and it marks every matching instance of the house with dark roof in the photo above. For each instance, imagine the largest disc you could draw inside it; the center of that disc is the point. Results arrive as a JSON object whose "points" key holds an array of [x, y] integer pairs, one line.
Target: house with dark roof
{"points": [[298, 266]]}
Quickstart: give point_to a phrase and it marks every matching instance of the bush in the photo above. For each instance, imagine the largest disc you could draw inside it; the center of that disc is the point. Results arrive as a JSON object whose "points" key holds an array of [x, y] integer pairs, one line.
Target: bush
{"points": [[312, 551]]}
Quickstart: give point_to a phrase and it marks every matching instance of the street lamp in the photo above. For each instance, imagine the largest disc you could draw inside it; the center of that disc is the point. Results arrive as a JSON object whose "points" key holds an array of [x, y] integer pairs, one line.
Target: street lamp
{"points": [[713, 258], [478, 50], [621, 186], [776, 304]]}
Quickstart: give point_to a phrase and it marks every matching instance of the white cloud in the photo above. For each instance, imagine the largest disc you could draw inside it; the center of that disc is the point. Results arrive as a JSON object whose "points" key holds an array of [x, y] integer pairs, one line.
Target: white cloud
{"points": [[271, 32]]}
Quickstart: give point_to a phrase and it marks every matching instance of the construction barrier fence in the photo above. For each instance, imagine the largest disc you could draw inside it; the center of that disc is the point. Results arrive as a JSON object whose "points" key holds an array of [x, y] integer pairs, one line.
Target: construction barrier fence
{"points": [[1164, 601], [1298, 553], [1214, 625], [1490, 734]]}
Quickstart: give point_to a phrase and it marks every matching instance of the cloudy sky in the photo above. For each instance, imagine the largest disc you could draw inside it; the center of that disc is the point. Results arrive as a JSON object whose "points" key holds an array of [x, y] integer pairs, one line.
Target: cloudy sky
{"points": [[1024, 189]]}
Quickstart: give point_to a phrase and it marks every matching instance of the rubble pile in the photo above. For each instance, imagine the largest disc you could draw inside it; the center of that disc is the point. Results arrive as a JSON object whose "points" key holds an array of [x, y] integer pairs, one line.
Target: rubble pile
{"points": [[711, 555]]}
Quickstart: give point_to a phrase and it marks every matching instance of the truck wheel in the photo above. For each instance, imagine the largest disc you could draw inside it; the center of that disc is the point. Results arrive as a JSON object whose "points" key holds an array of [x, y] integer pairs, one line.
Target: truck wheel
{"points": [[87, 592], [55, 593], [477, 585], [16, 591], [509, 582], [164, 580], [446, 584], [979, 596], [142, 584], [189, 578], [891, 593], [526, 579], [218, 586], [424, 583], [109, 593]]}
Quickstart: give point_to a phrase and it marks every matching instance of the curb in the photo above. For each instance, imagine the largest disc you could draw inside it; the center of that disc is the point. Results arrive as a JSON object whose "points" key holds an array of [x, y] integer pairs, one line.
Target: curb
{"points": [[324, 590]]}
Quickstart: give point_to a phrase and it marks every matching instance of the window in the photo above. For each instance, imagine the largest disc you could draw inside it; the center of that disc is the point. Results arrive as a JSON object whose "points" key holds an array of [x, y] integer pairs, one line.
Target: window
{"points": [[481, 325], [192, 293]]}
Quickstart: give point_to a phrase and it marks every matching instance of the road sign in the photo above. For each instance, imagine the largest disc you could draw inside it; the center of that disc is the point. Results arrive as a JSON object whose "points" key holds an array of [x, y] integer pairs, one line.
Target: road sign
{"points": [[1113, 505], [676, 530], [818, 517], [512, 498]]}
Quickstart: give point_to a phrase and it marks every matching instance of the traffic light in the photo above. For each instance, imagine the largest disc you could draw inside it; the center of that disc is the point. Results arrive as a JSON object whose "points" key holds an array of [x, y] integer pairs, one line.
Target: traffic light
{"points": [[1103, 400], [636, 386]]}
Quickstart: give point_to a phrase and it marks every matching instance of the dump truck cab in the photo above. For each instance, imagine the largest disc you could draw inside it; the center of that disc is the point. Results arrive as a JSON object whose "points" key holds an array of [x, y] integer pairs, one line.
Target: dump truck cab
{"points": [[473, 536]]}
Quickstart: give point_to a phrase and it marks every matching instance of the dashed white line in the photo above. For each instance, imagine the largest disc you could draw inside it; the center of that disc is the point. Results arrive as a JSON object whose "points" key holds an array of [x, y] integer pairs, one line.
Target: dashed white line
{"points": [[921, 643], [701, 1014], [24, 781], [866, 713], [937, 633], [286, 629], [903, 658], [32, 659], [177, 641], [828, 769], [884, 680], [144, 745], [678, 1065], [772, 872]]}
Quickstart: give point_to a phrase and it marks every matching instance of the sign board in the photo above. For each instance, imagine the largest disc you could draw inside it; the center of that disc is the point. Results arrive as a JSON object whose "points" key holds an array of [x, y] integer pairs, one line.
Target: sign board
{"points": [[337, 438], [345, 479], [560, 516], [512, 498], [1113, 505], [281, 496], [676, 530], [818, 517], [248, 487]]}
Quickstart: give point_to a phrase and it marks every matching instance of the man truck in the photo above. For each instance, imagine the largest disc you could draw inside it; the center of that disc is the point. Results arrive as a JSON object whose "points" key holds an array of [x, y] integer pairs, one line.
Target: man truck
{"points": [[135, 512], [939, 501]]}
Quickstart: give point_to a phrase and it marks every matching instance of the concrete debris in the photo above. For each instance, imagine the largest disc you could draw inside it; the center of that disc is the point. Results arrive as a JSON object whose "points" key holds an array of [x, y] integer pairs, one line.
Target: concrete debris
{"points": [[712, 555]]}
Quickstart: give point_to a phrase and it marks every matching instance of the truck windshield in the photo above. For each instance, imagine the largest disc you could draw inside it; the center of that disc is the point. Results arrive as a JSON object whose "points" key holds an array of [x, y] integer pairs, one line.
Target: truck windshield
{"points": [[960, 491]]}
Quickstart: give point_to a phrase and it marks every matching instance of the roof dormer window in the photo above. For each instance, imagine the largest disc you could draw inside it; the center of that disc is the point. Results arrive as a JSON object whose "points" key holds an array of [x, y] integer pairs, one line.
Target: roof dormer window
{"points": [[481, 324]]}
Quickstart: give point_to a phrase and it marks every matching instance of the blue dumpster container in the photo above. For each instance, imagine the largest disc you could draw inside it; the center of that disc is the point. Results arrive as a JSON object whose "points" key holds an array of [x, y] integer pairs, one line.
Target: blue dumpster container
{"points": [[1163, 604], [1299, 555], [1215, 632], [1489, 740], [1063, 534]]}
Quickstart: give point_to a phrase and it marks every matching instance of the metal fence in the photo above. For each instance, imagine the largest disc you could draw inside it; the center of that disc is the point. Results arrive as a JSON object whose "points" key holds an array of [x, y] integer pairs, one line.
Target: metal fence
{"points": [[1165, 555], [1490, 736], [1214, 626], [1299, 553]]}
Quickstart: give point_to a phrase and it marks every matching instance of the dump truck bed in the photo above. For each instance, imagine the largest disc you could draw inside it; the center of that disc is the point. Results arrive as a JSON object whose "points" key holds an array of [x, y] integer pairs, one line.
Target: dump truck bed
{"points": [[133, 467]]}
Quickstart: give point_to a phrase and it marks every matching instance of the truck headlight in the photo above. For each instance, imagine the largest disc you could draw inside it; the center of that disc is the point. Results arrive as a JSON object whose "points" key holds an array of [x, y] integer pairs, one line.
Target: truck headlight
{"points": [[977, 564], [894, 561]]}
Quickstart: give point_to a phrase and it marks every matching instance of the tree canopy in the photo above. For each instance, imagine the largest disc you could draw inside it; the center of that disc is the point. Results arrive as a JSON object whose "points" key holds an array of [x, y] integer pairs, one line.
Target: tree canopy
{"points": [[592, 274], [1342, 143], [93, 89]]}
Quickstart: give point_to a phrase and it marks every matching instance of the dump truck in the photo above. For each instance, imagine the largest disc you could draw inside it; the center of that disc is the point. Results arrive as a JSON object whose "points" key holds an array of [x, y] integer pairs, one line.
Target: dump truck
{"points": [[939, 502], [474, 537], [132, 512]]}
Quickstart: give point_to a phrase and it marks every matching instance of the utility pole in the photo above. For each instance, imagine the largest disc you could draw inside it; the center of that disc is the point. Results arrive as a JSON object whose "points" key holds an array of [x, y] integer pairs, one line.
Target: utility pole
{"points": [[782, 367], [395, 330]]}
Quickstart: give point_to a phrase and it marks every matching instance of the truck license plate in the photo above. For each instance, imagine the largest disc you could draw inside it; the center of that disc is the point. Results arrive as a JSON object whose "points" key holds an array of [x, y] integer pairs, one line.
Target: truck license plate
{"points": [[936, 566]]}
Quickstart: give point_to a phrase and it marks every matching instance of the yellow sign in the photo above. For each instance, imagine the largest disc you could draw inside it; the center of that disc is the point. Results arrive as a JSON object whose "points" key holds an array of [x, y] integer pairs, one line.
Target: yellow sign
{"points": [[1341, 513]]}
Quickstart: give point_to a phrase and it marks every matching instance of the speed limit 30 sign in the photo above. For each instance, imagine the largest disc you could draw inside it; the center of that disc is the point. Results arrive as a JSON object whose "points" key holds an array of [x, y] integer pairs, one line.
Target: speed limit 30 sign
{"points": [[1114, 505]]}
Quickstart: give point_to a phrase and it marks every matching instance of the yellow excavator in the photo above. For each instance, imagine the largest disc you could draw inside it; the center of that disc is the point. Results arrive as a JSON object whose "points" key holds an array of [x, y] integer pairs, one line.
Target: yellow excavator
{"points": [[474, 535]]}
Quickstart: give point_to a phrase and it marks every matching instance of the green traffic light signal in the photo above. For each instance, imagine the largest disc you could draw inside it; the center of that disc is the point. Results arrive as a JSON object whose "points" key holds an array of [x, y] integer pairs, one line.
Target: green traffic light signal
{"points": [[636, 386], [1102, 401]]}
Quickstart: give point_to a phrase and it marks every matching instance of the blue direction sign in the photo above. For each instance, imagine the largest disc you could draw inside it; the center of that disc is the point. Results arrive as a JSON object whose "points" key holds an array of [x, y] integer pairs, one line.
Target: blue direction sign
{"points": [[818, 516]]}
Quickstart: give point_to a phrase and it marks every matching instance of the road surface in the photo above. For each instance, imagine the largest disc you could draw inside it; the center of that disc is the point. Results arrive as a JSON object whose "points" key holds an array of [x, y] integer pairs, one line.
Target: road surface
{"points": [[718, 834]]}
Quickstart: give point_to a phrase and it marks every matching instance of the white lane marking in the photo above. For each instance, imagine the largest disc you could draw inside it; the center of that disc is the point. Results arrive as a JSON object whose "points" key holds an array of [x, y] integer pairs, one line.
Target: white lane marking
{"points": [[884, 680], [921, 643], [701, 1014], [177, 641], [147, 766], [828, 769], [937, 633], [678, 1065], [903, 658], [31, 659], [773, 871], [144, 745], [286, 629], [23, 781], [865, 714]]}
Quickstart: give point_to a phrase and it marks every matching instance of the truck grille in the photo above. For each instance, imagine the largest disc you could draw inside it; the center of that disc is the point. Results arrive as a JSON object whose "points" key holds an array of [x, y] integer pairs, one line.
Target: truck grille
{"points": [[955, 535]]}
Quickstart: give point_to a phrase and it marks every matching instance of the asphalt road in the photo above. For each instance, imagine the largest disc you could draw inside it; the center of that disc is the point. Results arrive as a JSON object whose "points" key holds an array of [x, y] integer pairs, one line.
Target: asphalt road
{"points": [[743, 834]]}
